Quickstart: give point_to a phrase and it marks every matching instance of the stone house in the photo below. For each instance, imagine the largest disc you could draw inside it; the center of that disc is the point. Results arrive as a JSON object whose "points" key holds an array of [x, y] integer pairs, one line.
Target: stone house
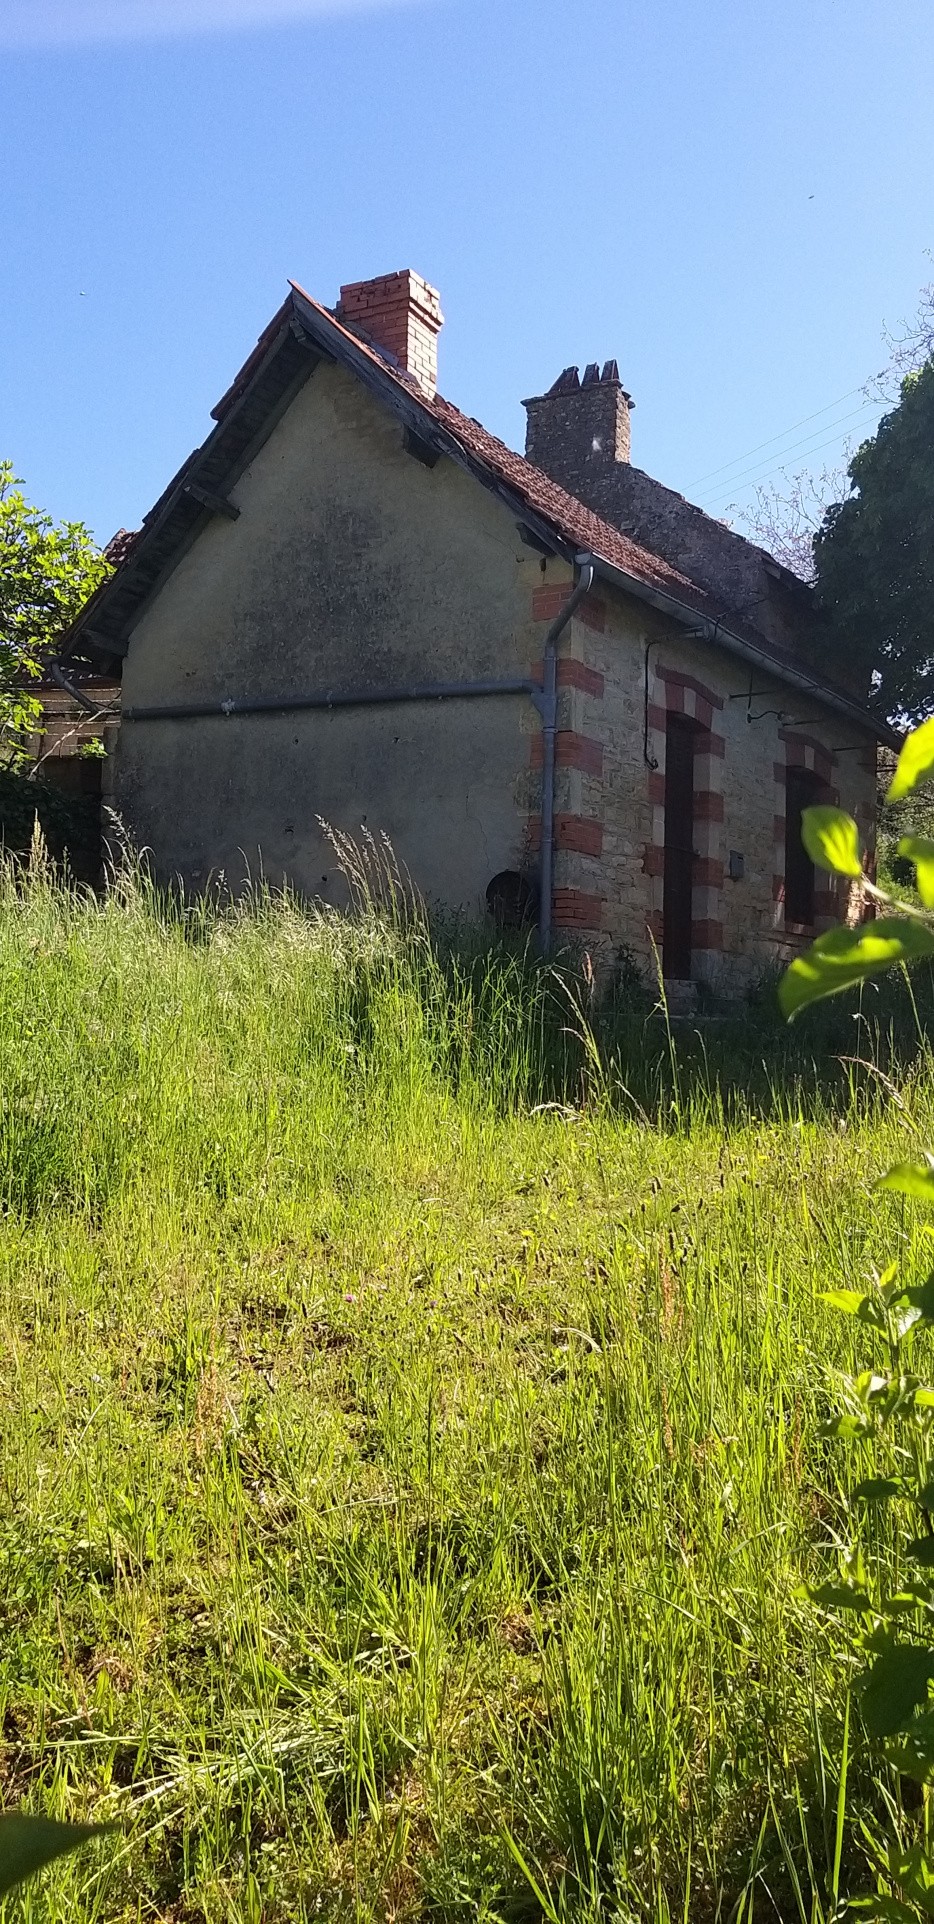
{"points": [[557, 687]]}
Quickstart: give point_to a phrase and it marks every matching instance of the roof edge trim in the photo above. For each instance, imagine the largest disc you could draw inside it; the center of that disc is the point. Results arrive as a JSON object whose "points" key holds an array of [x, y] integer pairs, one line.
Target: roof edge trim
{"points": [[717, 634]]}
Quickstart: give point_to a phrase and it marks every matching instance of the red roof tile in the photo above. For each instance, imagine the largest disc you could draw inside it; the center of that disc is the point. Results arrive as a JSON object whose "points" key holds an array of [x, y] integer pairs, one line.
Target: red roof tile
{"points": [[574, 524], [569, 517]]}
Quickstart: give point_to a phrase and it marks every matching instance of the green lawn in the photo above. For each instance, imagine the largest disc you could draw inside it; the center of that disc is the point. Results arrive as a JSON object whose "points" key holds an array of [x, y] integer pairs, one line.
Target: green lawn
{"points": [[408, 1425]]}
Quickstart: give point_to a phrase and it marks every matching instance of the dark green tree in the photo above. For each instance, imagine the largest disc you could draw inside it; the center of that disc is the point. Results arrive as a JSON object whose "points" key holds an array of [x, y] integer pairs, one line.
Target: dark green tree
{"points": [[874, 558], [47, 572]]}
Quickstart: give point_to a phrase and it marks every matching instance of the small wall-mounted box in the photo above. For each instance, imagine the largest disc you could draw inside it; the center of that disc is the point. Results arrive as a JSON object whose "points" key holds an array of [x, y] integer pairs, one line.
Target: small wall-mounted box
{"points": [[737, 866]]}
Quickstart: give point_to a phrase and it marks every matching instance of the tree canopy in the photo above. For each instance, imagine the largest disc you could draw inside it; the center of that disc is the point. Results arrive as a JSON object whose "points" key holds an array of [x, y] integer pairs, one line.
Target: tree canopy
{"points": [[874, 557], [47, 572]]}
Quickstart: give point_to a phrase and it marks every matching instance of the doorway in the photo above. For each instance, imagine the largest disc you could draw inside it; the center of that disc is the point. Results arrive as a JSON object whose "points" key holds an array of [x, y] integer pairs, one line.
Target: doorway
{"points": [[678, 883]]}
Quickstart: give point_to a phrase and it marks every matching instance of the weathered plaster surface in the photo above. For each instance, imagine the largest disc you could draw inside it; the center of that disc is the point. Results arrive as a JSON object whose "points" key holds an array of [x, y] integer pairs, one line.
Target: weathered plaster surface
{"points": [[351, 566]]}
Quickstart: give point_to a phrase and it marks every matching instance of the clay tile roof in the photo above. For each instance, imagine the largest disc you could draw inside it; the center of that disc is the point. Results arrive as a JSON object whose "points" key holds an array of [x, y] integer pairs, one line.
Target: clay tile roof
{"points": [[568, 516], [578, 525], [119, 545], [140, 558]]}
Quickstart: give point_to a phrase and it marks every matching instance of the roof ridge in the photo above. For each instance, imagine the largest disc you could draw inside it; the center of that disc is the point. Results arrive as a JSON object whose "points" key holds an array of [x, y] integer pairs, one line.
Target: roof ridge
{"points": [[575, 526]]}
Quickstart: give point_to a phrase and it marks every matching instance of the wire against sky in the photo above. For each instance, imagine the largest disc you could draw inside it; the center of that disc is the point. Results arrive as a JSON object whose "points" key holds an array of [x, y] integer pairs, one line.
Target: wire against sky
{"points": [[803, 450], [711, 473], [60, 23]]}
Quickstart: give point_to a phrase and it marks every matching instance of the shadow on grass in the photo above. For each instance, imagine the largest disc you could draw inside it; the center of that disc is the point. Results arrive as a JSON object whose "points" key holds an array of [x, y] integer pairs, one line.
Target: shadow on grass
{"points": [[731, 1062]]}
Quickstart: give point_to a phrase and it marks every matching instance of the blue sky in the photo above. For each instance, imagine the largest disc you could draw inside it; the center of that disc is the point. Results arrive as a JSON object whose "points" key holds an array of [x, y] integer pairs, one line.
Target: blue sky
{"points": [[730, 198]]}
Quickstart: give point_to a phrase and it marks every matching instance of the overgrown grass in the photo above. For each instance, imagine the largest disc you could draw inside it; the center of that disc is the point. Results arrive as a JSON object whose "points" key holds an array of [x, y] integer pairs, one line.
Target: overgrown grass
{"points": [[408, 1422]]}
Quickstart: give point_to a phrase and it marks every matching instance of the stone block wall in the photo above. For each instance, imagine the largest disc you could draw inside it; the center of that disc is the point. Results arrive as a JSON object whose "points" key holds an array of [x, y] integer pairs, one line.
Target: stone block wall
{"points": [[622, 671]]}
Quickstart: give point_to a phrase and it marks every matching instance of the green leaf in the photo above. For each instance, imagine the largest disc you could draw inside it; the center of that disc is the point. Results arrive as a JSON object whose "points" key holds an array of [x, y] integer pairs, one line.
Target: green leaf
{"points": [[849, 1300], [27, 1843], [915, 763], [839, 1596], [911, 1179], [844, 957], [914, 1755], [832, 840], [890, 1908], [877, 1489], [895, 1685], [912, 1597], [846, 1429], [921, 1549], [920, 851], [922, 1296], [913, 1872], [870, 1386]]}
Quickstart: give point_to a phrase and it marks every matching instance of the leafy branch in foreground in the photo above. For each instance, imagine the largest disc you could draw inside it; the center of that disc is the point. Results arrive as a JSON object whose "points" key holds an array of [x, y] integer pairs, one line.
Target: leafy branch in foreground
{"points": [[27, 1844], [845, 957], [47, 572], [887, 1416]]}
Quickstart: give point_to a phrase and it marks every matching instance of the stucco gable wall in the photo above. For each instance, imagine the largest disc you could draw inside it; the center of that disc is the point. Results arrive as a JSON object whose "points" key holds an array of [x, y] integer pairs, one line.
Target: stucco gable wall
{"points": [[351, 565]]}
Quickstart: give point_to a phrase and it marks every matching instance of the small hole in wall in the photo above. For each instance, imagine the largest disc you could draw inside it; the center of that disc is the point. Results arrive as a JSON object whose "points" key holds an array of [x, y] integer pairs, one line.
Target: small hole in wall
{"points": [[288, 829], [511, 900], [324, 878]]}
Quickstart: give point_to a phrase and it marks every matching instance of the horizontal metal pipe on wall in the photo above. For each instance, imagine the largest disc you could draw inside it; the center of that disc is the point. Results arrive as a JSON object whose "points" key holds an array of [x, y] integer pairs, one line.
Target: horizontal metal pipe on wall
{"points": [[331, 698]]}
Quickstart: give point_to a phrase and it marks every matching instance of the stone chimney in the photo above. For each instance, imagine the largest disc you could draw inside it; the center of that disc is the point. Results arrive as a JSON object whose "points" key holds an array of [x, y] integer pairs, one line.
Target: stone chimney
{"points": [[580, 427], [401, 314]]}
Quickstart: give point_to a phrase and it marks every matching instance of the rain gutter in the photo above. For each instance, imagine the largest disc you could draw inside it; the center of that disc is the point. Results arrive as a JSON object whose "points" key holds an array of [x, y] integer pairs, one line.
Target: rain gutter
{"points": [[705, 628]]}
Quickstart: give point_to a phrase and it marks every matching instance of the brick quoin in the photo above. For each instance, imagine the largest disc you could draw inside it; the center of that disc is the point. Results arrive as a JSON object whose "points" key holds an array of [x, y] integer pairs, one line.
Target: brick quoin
{"points": [[712, 745], [708, 805], [827, 904], [657, 788], [574, 674], [707, 872], [653, 859], [547, 604], [571, 751], [793, 740], [673, 678], [657, 716], [823, 764], [578, 833], [655, 925], [575, 909], [707, 935]]}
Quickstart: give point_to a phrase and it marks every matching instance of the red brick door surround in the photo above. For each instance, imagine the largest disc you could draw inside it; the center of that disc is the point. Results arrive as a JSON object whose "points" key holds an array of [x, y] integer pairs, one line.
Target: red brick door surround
{"points": [[675, 693]]}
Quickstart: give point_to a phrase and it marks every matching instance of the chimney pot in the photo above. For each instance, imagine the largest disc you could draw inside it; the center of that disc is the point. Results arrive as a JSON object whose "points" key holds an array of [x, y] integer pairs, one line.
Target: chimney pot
{"points": [[580, 429], [566, 383], [400, 313]]}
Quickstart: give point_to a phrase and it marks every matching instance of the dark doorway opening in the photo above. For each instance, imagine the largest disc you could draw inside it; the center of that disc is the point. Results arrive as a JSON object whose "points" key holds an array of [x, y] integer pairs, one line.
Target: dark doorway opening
{"points": [[78, 780], [680, 735], [802, 790]]}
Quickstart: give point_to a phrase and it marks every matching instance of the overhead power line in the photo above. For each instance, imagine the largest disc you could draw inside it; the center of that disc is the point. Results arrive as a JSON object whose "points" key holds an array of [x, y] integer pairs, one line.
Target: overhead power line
{"points": [[802, 448], [712, 472]]}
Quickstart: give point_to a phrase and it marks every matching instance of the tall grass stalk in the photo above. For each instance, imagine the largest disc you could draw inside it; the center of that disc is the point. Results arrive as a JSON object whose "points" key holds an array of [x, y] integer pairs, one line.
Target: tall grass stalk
{"points": [[408, 1426]]}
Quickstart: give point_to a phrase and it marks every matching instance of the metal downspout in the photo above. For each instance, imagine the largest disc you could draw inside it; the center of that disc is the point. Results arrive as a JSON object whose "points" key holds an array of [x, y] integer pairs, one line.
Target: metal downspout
{"points": [[549, 714], [61, 680]]}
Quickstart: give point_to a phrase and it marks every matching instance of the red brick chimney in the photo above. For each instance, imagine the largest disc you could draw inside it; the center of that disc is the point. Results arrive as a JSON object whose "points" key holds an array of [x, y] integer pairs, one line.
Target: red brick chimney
{"points": [[401, 313]]}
